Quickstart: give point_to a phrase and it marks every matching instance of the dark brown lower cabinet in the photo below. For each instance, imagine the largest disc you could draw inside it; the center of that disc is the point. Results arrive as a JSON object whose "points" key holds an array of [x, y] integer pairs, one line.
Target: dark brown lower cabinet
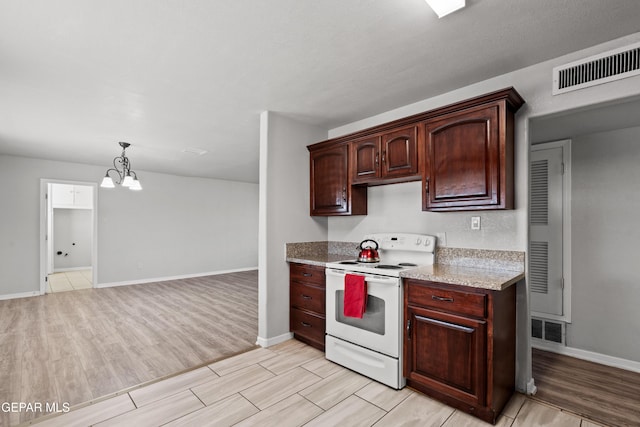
{"points": [[459, 345], [307, 304]]}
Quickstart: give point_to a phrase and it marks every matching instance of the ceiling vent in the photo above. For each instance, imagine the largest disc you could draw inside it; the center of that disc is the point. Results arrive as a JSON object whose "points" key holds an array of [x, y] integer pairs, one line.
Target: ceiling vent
{"points": [[603, 68]]}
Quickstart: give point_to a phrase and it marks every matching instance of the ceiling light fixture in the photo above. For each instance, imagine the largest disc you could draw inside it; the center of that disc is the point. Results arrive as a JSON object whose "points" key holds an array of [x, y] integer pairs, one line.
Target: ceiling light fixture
{"points": [[195, 151], [122, 166], [445, 7]]}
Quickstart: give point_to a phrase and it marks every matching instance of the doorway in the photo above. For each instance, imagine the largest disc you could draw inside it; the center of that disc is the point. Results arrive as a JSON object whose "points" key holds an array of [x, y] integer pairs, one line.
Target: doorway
{"points": [[68, 235], [598, 335]]}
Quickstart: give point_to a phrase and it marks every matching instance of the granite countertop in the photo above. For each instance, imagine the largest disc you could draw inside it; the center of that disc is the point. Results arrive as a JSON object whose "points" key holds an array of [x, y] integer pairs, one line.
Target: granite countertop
{"points": [[320, 253], [320, 259], [476, 277], [477, 268]]}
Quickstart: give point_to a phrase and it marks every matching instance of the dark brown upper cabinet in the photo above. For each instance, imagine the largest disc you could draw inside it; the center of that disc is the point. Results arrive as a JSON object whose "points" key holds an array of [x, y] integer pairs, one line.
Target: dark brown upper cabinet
{"points": [[331, 191], [463, 152], [385, 158], [468, 158]]}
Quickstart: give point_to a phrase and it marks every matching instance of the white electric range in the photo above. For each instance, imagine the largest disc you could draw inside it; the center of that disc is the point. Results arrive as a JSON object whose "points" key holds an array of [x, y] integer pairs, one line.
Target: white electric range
{"points": [[372, 345]]}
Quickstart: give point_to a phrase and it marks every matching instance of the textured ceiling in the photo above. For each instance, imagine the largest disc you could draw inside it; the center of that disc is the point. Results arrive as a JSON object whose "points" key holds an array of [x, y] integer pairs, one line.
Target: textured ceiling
{"points": [[76, 76]]}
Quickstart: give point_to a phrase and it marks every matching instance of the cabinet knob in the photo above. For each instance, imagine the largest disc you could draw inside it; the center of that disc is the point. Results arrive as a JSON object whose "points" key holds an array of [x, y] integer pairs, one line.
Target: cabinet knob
{"points": [[383, 155], [305, 324], [344, 194], [426, 185], [377, 155], [307, 297], [307, 274]]}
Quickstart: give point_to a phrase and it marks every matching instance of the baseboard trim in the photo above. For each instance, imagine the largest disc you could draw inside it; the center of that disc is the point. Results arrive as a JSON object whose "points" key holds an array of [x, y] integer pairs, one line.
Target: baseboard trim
{"points": [[20, 295], [164, 279], [603, 359], [268, 342]]}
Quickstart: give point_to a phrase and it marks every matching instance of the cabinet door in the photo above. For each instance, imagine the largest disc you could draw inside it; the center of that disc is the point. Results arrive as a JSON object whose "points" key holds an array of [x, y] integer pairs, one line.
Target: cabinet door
{"points": [[331, 190], [463, 161], [329, 184], [446, 353], [62, 195], [365, 155], [83, 196], [399, 157]]}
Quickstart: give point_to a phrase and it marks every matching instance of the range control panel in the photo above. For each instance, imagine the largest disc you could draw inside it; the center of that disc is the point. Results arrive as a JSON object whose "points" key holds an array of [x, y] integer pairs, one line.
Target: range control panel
{"points": [[404, 241]]}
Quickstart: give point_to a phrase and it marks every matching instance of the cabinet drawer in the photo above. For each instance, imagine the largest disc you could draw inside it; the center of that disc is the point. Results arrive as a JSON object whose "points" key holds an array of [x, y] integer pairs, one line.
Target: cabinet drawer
{"points": [[307, 297], [447, 300], [307, 324], [307, 274]]}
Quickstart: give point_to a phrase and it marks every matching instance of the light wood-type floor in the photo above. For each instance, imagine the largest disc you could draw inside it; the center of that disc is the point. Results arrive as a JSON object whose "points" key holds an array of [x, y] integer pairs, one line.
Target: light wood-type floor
{"points": [[78, 346], [290, 384], [601, 393], [69, 281]]}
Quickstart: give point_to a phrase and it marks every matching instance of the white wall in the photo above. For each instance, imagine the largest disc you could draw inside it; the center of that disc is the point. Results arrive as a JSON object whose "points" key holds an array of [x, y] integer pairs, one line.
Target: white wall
{"points": [[72, 235], [534, 84], [284, 214], [605, 238], [398, 208], [175, 226]]}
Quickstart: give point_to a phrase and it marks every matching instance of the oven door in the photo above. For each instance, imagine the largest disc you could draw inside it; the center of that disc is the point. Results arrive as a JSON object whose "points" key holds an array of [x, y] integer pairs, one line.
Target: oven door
{"points": [[379, 328]]}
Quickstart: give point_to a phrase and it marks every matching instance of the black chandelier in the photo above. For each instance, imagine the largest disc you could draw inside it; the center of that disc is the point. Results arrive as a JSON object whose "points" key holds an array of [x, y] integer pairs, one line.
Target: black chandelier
{"points": [[122, 167]]}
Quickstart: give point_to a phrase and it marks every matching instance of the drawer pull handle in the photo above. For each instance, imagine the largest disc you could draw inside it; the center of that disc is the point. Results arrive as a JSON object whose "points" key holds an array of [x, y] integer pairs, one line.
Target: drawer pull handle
{"points": [[443, 299], [307, 274], [306, 296], [305, 324]]}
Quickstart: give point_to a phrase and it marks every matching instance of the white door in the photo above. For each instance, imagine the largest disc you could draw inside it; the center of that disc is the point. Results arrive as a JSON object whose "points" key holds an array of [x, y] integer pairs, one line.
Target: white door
{"points": [[546, 252]]}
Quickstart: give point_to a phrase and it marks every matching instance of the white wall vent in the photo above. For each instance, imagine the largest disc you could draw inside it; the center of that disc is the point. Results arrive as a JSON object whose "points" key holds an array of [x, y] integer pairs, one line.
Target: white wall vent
{"points": [[594, 70], [539, 267]]}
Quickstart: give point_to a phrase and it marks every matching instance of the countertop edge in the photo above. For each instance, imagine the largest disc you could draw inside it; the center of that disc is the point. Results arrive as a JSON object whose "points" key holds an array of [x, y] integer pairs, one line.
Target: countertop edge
{"points": [[473, 277], [320, 261], [481, 282]]}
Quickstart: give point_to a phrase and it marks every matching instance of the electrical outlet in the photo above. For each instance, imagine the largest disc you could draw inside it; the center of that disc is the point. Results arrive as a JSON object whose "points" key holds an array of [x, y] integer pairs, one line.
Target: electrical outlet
{"points": [[475, 223]]}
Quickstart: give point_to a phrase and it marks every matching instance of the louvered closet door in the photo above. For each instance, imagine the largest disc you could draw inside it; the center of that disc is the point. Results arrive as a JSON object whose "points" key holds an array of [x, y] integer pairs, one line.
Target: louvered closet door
{"points": [[545, 220]]}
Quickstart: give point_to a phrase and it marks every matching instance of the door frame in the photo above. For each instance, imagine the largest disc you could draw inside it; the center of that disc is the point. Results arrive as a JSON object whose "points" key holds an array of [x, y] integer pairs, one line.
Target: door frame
{"points": [[46, 220], [565, 144]]}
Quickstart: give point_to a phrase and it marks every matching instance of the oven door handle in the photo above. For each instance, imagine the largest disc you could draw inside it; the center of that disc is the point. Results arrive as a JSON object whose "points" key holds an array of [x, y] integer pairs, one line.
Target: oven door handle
{"points": [[367, 277]]}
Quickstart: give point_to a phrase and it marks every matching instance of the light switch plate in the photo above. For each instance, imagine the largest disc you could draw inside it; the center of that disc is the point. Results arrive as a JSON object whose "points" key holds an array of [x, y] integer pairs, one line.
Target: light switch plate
{"points": [[475, 223]]}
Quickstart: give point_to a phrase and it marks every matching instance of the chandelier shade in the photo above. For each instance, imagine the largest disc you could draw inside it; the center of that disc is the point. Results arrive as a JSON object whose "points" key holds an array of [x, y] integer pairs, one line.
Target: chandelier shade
{"points": [[121, 172], [445, 7]]}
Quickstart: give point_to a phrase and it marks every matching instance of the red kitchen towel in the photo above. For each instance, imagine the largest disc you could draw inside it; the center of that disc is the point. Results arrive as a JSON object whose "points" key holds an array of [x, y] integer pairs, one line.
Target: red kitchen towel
{"points": [[355, 295]]}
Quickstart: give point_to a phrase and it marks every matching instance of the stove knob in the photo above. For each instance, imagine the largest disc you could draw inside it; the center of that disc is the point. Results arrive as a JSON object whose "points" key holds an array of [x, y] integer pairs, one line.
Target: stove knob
{"points": [[418, 241]]}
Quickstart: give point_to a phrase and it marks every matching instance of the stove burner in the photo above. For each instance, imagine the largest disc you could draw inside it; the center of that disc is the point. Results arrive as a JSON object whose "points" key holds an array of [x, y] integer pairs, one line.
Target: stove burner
{"points": [[389, 267], [407, 264]]}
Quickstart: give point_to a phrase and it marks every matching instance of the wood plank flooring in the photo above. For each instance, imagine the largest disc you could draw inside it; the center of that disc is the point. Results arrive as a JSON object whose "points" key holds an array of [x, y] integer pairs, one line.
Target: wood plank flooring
{"points": [[291, 384], [597, 392], [77, 346]]}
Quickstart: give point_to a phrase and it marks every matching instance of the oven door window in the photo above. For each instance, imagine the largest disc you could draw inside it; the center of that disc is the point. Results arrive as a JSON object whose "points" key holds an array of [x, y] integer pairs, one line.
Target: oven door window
{"points": [[373, 318]]}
